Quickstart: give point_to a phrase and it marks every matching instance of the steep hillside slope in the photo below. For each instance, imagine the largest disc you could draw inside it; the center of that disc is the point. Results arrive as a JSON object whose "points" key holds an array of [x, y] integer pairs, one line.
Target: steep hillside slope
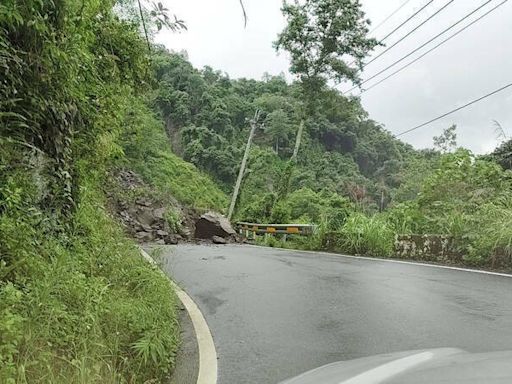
{"points": [[77, 302]]}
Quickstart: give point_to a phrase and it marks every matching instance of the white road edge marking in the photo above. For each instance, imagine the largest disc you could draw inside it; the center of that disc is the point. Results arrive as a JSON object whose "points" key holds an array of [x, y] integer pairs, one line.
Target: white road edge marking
{"points": [[377, 259], [386, 371], [207, 354]]}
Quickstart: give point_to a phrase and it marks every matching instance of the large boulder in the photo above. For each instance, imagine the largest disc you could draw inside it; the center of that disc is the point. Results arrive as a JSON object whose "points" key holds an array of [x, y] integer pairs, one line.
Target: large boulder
{"points": [[213, 224], [219, 240]]}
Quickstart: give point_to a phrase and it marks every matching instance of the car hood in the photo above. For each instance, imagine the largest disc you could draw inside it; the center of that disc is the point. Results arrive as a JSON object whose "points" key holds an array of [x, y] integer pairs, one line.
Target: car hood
{"points": [[445, 365]]}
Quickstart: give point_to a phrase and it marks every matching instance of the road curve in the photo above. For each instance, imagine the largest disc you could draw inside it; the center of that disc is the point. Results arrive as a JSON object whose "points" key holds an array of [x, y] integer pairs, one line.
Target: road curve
{"points": [[276, 313]]}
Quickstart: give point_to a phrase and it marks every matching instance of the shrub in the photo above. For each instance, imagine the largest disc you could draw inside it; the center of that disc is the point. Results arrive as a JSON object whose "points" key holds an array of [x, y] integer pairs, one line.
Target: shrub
{"points": [[76, 300], [490, 241], [174, 220], [281, 213]]}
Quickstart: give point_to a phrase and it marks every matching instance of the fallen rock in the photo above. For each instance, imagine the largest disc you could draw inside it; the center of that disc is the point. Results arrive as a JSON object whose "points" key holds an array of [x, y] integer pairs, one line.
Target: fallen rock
{"points": [[171, 239], [161, 233], [143, 202], [185, 232], [160, 242], [144, 236], [159, 213], [129, 179], [145, 216], [213, 224], [219, 240]]}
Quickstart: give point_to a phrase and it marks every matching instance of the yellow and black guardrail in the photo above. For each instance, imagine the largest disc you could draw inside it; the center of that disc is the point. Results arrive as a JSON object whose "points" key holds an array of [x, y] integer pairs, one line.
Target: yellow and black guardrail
{"points": [[288, 229]]}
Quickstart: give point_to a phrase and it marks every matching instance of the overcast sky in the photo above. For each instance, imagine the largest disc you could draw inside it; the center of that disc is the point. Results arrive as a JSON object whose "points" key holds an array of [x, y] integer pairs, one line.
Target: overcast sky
{"points": [[474, 63]]}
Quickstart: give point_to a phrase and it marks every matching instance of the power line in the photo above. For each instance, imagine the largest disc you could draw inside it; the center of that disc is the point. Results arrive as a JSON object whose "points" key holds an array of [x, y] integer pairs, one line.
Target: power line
{"points": [[410, 32], [455, 110], [389, 16], [401, 25], [434, 47], [421, 46], [407, 20]]}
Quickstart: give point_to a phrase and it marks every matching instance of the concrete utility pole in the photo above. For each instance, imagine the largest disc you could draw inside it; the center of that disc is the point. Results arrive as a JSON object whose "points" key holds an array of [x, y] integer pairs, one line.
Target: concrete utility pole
{"points": [[297, 141], [254, 124]]}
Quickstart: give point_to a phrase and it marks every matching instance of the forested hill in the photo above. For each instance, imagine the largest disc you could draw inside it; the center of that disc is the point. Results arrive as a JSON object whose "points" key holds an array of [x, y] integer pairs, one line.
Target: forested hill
{"points": [[342, 152]]}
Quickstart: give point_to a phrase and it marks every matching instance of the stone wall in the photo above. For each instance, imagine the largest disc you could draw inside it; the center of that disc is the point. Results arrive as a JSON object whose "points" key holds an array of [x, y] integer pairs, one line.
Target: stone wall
{"points": [[438, 248]]}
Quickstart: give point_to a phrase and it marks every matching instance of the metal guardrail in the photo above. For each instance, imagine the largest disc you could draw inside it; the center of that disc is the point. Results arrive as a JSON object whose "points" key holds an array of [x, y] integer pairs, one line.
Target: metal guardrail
{"points": [[287, 229]]}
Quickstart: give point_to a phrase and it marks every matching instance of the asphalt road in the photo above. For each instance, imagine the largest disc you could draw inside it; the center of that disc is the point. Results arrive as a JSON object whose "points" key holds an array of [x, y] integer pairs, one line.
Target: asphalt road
{"points": [[275, 313]]}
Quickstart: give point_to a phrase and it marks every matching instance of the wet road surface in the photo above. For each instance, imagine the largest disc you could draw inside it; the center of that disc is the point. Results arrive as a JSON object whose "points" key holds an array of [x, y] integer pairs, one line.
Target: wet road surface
{"points": [[277, 313]]}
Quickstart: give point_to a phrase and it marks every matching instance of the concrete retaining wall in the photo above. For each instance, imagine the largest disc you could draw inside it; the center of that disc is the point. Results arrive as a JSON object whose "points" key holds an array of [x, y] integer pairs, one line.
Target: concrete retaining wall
{"points": [[427, 247]]}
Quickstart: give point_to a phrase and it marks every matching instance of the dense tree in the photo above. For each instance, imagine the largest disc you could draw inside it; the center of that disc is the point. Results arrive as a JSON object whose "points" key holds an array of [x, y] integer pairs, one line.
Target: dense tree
{"points": [[343, 151], [321, 36]]}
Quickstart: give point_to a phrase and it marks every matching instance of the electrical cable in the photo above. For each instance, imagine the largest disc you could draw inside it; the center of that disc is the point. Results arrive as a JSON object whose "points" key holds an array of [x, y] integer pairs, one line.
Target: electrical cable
{"points": [[455, 110], [434, 48], [389, 16], [421, 46], [406, 21], [409, 33]]}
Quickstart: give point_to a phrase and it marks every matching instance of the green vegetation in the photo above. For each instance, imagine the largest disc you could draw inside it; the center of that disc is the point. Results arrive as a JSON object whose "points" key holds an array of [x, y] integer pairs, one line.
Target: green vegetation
{"points": [[342, 152], [79, 306], [351, 177], [147, 151], [85, 94], [77, 303], [465, 197]]}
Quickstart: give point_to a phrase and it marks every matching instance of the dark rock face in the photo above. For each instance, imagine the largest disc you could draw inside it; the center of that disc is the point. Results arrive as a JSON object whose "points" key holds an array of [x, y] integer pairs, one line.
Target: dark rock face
{"points": [[218, 240], [213, 224]]}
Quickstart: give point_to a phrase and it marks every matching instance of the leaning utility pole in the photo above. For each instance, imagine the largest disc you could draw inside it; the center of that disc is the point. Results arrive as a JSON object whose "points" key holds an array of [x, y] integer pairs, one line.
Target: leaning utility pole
{"points": [[297, 141], [254, 123]]}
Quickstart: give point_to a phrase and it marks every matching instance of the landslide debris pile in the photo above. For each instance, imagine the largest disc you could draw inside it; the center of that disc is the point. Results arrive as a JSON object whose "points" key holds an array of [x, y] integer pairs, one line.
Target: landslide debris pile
{"points": [[151, 217]]}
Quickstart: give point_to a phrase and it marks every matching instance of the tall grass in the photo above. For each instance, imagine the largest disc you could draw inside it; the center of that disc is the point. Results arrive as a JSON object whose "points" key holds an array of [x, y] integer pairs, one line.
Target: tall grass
{"points": [[363, 235], [357, 235], [490, 239], [80, 305]]}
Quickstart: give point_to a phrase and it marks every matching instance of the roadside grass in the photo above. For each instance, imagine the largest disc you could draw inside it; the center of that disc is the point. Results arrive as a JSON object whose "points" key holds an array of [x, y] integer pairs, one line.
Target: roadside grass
{"points": [[363, 235], [358, 235], [80, 305]]}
